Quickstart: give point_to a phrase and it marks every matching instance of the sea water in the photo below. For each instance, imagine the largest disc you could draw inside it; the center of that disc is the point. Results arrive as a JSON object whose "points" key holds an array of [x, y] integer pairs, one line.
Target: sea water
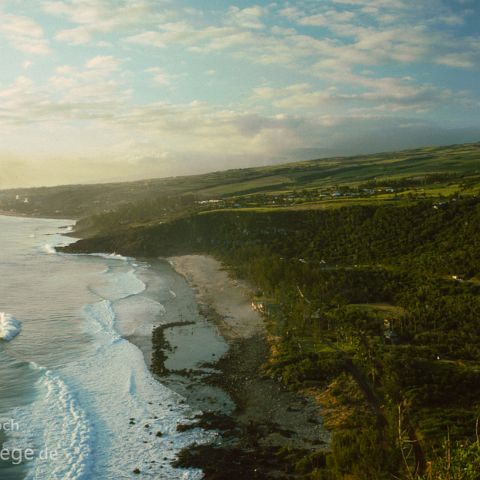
{"points": [[78, 397]]}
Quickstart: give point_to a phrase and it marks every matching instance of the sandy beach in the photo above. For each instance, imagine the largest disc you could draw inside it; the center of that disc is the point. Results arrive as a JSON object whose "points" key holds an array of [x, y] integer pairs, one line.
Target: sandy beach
{"points": [[264, 415], [229, 298]]}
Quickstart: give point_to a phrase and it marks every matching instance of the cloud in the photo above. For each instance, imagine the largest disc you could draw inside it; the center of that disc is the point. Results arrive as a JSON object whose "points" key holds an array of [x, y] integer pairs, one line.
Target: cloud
{"points": [[280, 46], [395, 36], [385, 94], [152, 39], [70, 94], [106, 64], [177, 33], [457, 60], [249, 18], [93, 17], [24, 34], [381, 32], [395, 4], [75, 36], [326, 19], [292, 13], [326, 73], [451, 19], [161, 77]]}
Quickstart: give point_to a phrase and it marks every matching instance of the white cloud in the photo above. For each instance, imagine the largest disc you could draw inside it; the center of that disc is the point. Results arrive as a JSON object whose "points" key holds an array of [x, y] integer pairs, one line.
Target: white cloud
{"points": [[327, 19], [153, 39], [401, 31], [452, 20], [292, 13], [169, 34], [93, 17], [396, 4], [161, 77], [387, 94], [24, 34], [105, 64], [74, 36], [325, 69], [351, 41], [249, 17], [457, 60]]}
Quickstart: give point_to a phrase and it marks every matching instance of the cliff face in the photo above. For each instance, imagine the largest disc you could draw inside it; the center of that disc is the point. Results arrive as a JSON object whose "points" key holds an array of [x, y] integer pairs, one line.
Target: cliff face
{"points": [[221, 230], [334, 277], [444, 240]]}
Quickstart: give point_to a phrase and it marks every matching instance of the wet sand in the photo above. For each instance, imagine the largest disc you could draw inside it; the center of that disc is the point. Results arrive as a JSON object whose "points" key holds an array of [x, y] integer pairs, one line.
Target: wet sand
{"points": [[230, 298], [252, 412]]}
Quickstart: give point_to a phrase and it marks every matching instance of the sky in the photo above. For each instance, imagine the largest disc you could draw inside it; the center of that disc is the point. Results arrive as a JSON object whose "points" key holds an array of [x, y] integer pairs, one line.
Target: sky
{"points": [[111, 90]]}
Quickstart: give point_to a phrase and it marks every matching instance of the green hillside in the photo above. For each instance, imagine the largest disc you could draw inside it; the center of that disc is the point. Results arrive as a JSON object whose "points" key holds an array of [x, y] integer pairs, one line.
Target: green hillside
{"points": [[368, 273], [374, 310], [427, 171]]}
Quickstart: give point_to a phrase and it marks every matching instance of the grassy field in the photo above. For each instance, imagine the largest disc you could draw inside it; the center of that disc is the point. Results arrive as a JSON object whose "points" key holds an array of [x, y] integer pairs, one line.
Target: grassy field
{"points": [[429, 172]]}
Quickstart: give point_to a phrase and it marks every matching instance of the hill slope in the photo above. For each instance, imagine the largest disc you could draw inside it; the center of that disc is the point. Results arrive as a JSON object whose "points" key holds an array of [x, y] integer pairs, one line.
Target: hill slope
{"points": [[372, 308], [449, 168]]}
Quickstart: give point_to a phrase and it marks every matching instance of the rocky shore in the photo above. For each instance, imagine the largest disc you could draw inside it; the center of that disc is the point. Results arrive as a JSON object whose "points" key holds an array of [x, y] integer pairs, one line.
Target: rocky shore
{"points": [[262, 426]]}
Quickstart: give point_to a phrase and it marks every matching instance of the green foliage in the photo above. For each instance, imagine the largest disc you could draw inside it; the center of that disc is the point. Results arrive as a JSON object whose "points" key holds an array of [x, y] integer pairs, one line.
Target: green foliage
{"points": [[361, 455], [425, 172], [364, 292], [419, 237], [312, 368], [458, 462]]}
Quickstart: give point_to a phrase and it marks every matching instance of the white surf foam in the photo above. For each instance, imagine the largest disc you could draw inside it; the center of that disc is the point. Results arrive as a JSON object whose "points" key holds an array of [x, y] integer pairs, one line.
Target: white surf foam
{"points": [[9, 327], [102, 321], [130, 410], [117, 284], [137, 315], [50, 249], [110, 256], [105, 415], [104, 412], [57, 429], [136, 416]]}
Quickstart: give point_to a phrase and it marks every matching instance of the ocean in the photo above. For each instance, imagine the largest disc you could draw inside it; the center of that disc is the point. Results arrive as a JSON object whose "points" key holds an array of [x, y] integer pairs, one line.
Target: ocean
{"points": [[77, 399]]}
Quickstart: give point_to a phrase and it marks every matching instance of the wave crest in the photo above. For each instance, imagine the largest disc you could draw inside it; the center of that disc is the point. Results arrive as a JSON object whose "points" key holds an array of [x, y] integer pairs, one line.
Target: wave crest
{"points": [[50, 249], [10, 327], [55, 423], [110, 256]]}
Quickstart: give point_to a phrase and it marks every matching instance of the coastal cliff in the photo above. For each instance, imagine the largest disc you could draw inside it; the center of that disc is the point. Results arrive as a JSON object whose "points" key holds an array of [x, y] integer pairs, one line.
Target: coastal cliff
{"points": [[372, 310]]}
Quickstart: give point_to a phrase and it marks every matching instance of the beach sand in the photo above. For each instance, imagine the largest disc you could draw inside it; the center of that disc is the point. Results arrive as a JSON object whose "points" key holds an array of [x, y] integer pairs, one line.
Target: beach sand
{"points": [[264, 416], [230, 298]]}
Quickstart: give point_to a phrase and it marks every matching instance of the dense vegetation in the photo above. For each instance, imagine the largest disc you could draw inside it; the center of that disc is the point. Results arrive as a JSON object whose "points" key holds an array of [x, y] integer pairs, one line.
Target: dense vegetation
{"points": [[438, 239], [374, 309], [392, 176]]}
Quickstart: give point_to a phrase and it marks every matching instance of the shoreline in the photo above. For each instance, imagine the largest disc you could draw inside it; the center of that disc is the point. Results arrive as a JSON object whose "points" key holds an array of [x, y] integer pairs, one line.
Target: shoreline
{"points": [[226, 300], [5, 213], [104, 389], [256, 417]]}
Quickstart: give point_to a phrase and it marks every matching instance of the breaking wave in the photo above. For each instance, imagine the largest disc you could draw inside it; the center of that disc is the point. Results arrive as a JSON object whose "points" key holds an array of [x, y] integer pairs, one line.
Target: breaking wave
{"points": [[10, 327], [64, 428], [110, 256], [50, 249]]}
